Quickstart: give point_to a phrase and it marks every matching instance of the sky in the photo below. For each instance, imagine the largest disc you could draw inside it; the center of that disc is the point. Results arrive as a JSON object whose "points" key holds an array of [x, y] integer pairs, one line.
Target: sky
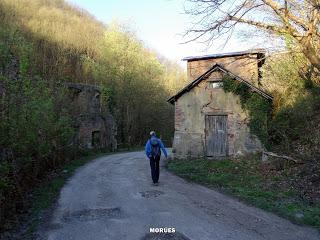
{"points": [[160, 24]]}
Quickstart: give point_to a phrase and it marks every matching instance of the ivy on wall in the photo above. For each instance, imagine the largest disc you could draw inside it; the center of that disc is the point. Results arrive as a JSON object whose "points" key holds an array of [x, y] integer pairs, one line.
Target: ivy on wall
{"points": [[258, 107]]}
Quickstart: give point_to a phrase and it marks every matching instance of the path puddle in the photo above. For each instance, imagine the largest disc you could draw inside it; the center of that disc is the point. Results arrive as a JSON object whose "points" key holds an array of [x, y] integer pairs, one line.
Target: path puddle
{"points": [[165, 236], [212, 211], [151, 193], [91, 214]]}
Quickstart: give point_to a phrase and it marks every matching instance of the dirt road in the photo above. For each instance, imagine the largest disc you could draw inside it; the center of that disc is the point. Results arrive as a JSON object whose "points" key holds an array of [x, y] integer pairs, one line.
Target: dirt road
{"points": [[113, 198]]}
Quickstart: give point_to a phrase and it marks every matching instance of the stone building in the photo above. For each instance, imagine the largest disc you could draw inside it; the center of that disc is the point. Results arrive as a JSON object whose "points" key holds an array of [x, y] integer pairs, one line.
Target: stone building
{"points": [[209, 121], [95, 128]]}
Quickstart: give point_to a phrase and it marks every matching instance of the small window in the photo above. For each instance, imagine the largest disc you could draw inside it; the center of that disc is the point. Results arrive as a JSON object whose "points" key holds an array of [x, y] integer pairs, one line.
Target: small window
{"points": [[97, 96], [215, 84]]}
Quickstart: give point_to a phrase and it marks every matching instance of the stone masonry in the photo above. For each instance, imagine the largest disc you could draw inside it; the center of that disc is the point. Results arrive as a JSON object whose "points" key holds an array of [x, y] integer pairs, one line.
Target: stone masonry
{"points": [[200, 100], [95, 129]]}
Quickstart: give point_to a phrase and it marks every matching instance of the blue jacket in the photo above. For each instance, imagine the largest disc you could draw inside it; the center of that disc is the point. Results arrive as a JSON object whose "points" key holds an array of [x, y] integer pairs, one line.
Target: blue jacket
{"points": [[148, 148]]}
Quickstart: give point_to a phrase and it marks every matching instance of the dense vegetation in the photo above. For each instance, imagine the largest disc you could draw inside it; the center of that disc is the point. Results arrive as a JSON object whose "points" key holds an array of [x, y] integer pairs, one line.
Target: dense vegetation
{"points": [[294, 127], [45, 43]]}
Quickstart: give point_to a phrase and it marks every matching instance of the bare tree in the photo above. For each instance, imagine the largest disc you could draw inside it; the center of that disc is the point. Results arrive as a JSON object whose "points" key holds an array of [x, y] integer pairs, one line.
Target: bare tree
{"points": [[294, 19]]}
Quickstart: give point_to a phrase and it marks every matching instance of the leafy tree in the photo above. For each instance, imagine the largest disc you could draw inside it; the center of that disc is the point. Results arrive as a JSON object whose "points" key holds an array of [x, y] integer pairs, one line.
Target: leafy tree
{"points": [[46, 43]]}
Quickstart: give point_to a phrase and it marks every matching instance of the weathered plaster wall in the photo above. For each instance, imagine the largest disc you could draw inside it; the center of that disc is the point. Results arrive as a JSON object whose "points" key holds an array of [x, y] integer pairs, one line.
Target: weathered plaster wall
{"points": [[245, 66], [190, 111]]}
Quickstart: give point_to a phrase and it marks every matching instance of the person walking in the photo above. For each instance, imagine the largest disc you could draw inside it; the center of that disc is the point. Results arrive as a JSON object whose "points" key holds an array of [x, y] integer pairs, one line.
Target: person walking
{"points": [[153, 151]]}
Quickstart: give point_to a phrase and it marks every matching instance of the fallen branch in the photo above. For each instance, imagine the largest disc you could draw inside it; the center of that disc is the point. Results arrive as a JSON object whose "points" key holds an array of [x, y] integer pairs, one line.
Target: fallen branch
{"points": [[271, 154]]}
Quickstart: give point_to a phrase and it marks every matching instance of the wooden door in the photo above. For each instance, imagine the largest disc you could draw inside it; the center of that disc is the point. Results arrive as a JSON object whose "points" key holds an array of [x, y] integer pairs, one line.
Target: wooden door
{"points": [[216, 135]]}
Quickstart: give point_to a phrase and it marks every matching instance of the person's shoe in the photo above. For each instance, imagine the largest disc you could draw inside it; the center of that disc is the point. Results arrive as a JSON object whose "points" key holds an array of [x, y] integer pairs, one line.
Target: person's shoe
{"points": [[156, 184]]}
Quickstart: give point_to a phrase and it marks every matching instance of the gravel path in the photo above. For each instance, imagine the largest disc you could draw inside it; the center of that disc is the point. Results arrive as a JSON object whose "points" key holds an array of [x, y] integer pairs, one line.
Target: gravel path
{"points": [[112, 198]]}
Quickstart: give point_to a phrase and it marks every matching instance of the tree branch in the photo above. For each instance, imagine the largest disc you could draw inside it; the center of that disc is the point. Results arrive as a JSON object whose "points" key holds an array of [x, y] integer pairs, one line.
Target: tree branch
{"points": [[285, 15]]}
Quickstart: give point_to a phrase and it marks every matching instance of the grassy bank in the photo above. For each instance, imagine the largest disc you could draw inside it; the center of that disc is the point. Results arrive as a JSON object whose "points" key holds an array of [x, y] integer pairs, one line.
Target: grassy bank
{"points": [[260, 184]]}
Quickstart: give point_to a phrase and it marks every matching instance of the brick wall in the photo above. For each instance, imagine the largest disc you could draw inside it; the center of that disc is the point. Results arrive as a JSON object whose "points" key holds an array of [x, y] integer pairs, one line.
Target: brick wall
{"points": [[245, 66]]}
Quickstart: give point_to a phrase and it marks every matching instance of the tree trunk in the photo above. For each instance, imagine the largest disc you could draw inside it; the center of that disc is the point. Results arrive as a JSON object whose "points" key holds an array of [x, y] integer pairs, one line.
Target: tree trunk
{"points": [[310, 52]]}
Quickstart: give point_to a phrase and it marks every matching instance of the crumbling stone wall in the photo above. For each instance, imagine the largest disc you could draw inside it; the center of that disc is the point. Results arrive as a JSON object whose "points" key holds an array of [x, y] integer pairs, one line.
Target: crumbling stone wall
{"points": [[95, 129]]}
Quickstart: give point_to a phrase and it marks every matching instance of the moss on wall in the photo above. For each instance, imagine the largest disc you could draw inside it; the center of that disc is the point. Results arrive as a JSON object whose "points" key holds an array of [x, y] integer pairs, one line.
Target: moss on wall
{"points": [[258, 107]]}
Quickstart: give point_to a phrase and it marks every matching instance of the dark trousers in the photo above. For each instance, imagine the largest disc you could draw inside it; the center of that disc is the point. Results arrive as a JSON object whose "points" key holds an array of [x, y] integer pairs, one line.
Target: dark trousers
{"points": [[154, 165]]}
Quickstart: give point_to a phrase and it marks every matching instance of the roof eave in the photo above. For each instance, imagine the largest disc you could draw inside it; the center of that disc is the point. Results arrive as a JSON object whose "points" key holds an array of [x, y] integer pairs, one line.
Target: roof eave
{"points": [[212, 69], [221, 55]]}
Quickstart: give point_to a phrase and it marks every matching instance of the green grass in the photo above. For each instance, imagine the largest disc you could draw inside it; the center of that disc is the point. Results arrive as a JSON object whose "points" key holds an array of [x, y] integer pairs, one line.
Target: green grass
{"points": [[246, 180]]}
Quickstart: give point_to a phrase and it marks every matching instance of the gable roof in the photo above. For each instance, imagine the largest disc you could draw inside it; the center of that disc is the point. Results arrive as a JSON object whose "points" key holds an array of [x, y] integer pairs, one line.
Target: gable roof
{"points": [[207, 73]]}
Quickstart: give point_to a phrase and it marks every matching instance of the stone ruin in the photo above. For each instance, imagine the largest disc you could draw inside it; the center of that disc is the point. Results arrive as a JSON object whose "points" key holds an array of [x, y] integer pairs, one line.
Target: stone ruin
{"points": [[96, 128]]}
